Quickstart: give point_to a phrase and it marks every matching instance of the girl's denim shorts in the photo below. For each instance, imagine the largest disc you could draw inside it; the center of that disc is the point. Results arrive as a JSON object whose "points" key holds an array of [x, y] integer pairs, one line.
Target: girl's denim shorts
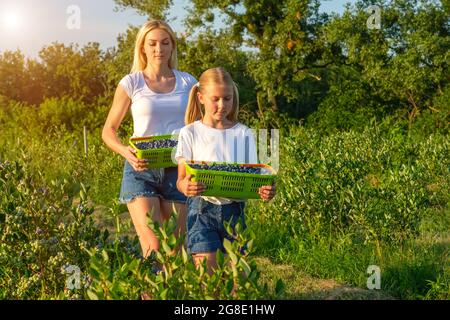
{"points": [[150, 183], [205, 224]]}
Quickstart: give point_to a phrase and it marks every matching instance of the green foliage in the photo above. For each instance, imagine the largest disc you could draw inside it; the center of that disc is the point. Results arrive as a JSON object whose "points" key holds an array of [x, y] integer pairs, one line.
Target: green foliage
{"points": [[154, 9], [282, 36], [345, 200], [122, 59], [400, 66], [43, 229], [375, 185], [62, 70], [284, 55], [78, 73], [213, 49], [346, 106], [436, 118], [367, 194], [12, 74], [357, 186], [65, 111], [116, 275]]}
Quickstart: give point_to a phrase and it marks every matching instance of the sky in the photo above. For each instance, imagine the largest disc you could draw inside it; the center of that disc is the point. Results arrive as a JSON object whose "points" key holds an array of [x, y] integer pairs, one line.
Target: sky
{"points": [[29, 25]]}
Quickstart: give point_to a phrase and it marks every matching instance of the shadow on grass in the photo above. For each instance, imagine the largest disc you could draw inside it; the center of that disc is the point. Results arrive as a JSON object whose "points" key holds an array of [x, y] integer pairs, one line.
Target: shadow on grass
{"points": [[300, 286], [418, 271], [413, 278]]}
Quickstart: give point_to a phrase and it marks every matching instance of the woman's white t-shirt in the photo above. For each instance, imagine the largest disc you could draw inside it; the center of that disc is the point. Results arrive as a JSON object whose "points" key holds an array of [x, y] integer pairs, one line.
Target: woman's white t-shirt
{"points": [[199, 142], [157, 113]]}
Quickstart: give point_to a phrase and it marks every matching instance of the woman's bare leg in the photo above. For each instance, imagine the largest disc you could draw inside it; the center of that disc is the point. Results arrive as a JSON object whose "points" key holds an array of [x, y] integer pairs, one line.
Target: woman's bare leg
{"points": [[139, 208]]}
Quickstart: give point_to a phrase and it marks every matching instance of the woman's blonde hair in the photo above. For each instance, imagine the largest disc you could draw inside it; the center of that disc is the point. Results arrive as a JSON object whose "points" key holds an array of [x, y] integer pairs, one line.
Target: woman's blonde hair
{"points": [[140, 59], [214, 76]]}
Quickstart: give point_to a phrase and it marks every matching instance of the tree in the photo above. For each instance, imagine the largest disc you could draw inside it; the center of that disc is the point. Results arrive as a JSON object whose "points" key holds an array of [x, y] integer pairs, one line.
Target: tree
{"points": [[80, 74], [279, 38], [121, 59], [404, 63], [13, 76], [282, 36], [154, 9]]}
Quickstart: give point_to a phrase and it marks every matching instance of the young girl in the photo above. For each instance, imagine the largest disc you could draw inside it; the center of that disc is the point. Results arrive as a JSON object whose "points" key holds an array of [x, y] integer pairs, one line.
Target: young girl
{"points": [[212, 133]]}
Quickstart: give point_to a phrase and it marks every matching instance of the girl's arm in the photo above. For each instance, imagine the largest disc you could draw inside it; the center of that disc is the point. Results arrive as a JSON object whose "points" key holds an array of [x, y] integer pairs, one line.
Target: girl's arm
{"points": [[184, 183], [267, 192], [120, 106]]}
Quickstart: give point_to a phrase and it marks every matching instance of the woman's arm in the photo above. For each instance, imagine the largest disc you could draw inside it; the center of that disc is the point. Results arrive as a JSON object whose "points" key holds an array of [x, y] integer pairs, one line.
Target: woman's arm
{"points": [[120, 106]]}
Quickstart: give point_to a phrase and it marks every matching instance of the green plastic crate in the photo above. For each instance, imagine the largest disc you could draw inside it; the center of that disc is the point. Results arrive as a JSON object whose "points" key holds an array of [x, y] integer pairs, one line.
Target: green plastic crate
{"points": [[157, 158], [231, 184]]}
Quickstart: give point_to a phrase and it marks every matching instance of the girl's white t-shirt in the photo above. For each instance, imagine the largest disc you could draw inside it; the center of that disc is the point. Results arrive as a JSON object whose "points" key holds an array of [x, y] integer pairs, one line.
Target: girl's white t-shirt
{"points": [[199, 142], [157, 113]]}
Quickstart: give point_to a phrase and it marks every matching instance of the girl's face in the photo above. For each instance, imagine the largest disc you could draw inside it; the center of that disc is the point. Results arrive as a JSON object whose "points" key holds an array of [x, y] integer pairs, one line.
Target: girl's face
{"points": [[218, 101], [158, 47]]}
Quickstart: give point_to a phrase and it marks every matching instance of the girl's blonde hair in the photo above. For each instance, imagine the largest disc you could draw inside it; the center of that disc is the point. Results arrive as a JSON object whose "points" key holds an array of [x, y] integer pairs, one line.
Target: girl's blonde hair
{"points": [[140, 59], [214, 76]]}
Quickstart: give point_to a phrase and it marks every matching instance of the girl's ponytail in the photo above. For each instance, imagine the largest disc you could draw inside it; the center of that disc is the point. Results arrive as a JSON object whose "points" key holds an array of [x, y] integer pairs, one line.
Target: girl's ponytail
{"points": [[233, 116], [194, 108]]}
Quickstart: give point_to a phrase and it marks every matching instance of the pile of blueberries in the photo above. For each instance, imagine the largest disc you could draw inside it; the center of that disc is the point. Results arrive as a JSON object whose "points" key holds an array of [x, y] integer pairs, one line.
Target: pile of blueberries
{"points": [[226, 167], [156, 144]]}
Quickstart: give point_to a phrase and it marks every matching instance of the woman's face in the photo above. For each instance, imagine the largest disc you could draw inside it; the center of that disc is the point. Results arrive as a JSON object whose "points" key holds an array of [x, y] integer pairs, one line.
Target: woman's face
{"points": [[158, 47], [218, 101]]}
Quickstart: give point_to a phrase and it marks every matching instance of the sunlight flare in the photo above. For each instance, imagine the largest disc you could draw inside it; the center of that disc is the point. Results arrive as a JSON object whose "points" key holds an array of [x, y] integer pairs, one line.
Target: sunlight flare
{"points": [[11, 20]]}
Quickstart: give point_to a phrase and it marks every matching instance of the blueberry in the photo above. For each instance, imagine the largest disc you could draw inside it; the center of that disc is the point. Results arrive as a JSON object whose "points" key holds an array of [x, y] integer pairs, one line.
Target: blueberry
{"points": [[156, 144]]}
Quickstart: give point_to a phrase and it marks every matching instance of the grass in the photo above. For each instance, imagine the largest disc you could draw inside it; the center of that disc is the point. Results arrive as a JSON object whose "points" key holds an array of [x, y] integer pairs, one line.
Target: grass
{"points": [[417, 269]]}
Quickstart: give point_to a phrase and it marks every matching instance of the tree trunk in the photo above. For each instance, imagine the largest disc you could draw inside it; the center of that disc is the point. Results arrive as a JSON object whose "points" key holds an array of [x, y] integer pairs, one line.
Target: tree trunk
{"points": [[272, 100]]}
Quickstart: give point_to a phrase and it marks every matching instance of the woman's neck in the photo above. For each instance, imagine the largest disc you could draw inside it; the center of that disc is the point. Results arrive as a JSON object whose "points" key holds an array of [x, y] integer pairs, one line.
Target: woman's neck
{"points": [[157, 72]]}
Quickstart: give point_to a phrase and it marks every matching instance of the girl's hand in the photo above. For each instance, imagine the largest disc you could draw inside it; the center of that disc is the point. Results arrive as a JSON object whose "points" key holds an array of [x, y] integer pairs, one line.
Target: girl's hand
{"points": [[190, 188], [267, 192], [137, 164]]}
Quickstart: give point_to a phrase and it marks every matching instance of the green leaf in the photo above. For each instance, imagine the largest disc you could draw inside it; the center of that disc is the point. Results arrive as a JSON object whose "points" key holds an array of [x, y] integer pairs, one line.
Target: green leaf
{"points": [[163, 294], [166, 247], [227, 245], [172, 241], [233, 257], [105, 255], [245, 266], [184, 255], [220, 258], [92, 295]]}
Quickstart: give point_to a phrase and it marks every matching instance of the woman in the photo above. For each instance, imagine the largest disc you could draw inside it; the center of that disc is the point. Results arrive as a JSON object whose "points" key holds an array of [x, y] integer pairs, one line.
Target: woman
{"points": [[157, 94]]}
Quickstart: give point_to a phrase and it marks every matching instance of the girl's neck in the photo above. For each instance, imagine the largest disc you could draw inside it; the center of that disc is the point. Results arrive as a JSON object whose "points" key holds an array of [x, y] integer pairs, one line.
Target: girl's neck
{"points": [[156, 72], [226, 124]]}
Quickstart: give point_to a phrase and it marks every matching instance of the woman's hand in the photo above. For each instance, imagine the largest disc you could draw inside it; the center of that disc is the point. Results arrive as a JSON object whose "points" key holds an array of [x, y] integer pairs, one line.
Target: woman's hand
{"points": [[267, 192], [190, 188], [137, 164]]}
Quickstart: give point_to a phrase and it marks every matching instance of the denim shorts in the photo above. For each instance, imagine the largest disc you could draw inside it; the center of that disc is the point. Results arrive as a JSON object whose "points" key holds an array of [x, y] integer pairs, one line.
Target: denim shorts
{"points": [[150, 183], [205, 224]]}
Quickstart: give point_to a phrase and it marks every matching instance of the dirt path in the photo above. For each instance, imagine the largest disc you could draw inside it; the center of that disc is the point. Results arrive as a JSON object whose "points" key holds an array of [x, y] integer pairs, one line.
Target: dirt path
{"points": [[300, 286]]}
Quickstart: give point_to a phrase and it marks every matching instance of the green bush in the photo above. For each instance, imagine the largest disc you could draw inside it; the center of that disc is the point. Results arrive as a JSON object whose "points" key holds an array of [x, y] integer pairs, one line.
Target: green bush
{"points": [[347, 106], [119, 276], [375, 184], [43, 229]]}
